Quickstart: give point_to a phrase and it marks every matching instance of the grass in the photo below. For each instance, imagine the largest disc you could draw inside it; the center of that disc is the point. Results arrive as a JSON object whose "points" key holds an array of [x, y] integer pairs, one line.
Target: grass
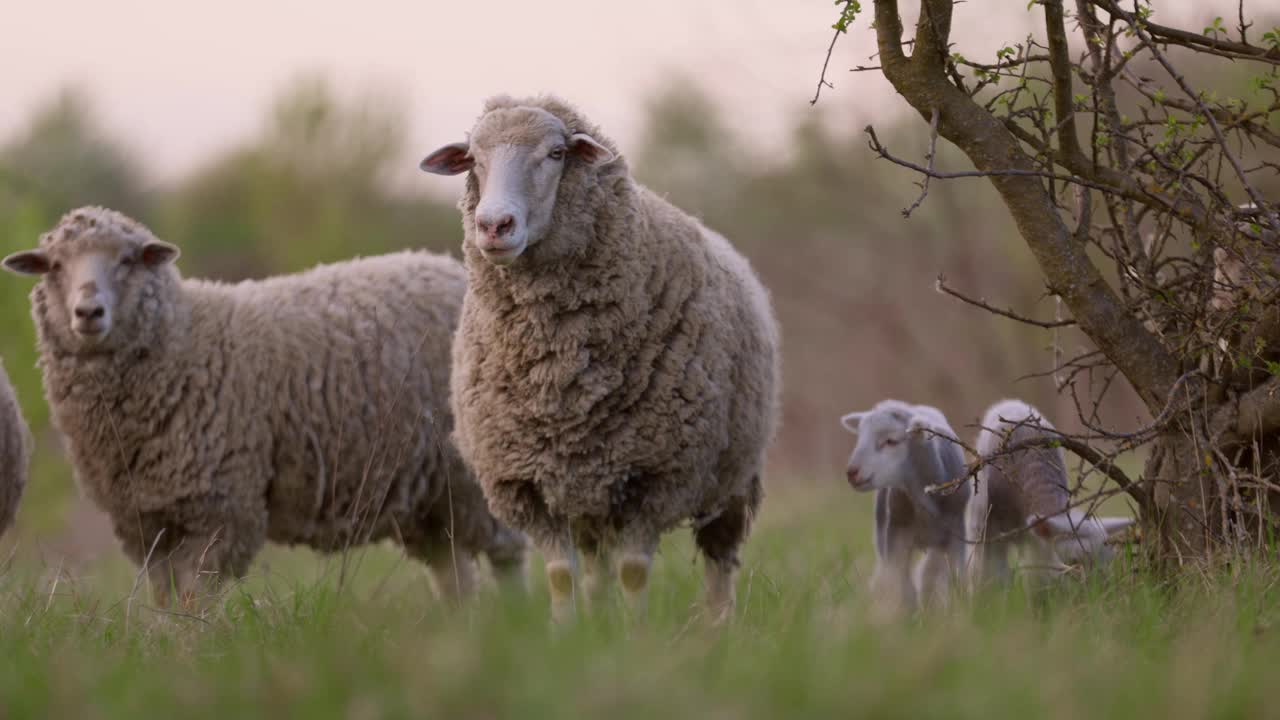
{"points": [[289, 642]]}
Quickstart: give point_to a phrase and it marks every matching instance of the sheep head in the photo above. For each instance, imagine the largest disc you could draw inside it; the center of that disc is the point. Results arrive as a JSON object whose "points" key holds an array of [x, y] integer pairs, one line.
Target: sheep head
{"points": [[89, 266], [517, 156], [887, 436]]}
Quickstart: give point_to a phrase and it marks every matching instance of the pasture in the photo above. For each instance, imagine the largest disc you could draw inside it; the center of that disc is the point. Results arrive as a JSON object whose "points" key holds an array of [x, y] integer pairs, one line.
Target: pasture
{"points": [[361, 636]]}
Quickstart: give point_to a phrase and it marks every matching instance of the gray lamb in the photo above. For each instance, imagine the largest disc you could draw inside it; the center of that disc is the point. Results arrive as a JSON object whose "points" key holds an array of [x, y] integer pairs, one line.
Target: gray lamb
{"points": [[1028, 489], [902, 449]]}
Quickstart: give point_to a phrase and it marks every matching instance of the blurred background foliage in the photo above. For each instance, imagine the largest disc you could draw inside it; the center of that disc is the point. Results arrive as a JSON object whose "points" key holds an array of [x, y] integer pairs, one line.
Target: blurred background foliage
{"points": [[821, 219]]}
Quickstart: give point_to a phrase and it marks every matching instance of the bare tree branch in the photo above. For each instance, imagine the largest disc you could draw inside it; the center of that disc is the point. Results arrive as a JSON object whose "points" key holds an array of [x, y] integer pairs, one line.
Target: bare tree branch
{"points": [[933, 149], [1201, 43], [941, 286], [1150, 368]]}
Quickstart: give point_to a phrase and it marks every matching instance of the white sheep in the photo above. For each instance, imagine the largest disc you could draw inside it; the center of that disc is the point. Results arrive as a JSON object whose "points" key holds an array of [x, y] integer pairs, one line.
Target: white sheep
{"points": [[901, 450], [15, 452], [616, 368], [1027, 488], [208, 418]]}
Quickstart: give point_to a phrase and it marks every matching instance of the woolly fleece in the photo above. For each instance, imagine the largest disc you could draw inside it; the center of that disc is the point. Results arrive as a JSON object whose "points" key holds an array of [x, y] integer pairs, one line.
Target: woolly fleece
{"points": [[307, 408], [15, 452], [622, 376]]}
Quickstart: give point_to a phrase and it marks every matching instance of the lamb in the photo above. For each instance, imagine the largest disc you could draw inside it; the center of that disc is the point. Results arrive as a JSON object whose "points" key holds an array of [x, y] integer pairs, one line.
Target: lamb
{"points": [[207, 418], [616, 368], [901, 450], [1027, 488], [15, 452]]}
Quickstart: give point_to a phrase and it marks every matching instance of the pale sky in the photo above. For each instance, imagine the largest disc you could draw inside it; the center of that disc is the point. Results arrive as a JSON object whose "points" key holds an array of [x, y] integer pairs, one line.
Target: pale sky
{"points": [[181, 80]]}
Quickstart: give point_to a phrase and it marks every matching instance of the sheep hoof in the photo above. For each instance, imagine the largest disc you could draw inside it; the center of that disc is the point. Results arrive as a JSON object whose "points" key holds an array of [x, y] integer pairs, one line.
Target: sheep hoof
{"points": [[633, 573], [560, 580]]}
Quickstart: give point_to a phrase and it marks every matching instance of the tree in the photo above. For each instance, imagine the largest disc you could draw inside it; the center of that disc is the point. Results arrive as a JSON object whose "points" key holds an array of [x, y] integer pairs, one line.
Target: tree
{"points": [[1145, 203]]}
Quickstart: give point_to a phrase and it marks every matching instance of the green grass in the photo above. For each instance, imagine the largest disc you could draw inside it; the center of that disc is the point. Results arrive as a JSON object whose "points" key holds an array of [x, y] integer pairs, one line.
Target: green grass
{"points": [[290, 642]]}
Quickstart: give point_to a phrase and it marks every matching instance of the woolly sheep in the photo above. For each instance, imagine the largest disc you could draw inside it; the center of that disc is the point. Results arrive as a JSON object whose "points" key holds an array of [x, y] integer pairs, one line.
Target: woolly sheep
{"points": [[206, 418], [616, 368], [1027, 488], [15, 452], [901, 450]]}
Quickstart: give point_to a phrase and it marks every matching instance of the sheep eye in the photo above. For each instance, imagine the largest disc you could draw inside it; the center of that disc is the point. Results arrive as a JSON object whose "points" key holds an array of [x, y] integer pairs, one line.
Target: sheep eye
{"points": [[888, 442], [127, 261], [55, 268], [556, 153]]}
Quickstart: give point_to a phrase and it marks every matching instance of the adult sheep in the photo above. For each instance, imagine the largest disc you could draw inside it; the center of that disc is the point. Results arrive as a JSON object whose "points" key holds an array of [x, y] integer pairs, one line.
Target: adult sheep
{"points": [[15, 452], [207, 418], [616, 368]]}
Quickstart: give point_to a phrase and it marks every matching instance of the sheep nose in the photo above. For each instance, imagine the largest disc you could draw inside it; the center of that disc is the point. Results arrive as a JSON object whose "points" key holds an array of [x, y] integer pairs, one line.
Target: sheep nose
{"points": [[90, 311], [852, 474], [497, 227]]}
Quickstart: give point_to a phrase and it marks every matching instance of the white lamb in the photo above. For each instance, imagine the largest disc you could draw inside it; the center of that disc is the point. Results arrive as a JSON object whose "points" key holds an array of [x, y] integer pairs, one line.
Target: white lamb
{"points": [[901, 450], [1027, 489]]}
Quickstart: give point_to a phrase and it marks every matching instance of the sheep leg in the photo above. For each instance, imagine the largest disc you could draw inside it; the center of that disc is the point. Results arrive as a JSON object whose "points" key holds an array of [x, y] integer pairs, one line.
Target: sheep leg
{"points": [[891, 588], [988, 564], [932, 577], [506, 552], [986, 561], [719, 541], [561, 568], [191, 568], [635, 558], [452, 572]]}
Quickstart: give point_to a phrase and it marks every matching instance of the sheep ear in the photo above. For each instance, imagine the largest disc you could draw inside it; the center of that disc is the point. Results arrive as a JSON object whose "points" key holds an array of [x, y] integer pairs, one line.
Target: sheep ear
{"points": [[451, 159], [157, 253], [852, 421], [1115, 525], [1054, 526], [585, 147], [28, 262]]}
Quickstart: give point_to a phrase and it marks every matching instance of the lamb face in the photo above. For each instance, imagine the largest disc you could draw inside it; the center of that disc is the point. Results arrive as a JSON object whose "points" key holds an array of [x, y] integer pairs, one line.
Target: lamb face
{"points": [[517, 156], [880, 458], [1082, 539], [93, 281], [894, 439]]}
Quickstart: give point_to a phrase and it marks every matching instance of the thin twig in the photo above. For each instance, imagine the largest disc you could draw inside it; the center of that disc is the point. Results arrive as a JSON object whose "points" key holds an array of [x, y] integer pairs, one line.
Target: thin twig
{"points": [[874, 142], [941, 286], [822, 77], [933, 148]]}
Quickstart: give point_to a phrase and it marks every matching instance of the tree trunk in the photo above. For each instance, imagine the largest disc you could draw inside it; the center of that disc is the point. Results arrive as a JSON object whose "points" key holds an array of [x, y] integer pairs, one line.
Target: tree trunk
{"points": [[1211, 477]]}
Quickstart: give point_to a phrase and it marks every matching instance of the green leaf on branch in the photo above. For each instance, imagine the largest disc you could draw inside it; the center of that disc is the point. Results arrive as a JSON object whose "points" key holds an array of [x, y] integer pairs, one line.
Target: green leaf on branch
{"points": [[847, 14]]}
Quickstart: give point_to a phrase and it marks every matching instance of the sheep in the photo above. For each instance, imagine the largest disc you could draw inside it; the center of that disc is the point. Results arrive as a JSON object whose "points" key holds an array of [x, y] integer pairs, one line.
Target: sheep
{"points": [[901, 450], [1027, 488], [616, 369], [15, 452], [206, 418]]}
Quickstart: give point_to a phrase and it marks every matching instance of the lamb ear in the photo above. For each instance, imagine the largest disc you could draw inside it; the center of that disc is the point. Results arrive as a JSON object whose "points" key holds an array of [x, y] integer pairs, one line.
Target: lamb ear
{"points": [[852, 421], [1054, 526], [451, 159], [157, 253], [28, 262], [1115, 525], [585, 147]]}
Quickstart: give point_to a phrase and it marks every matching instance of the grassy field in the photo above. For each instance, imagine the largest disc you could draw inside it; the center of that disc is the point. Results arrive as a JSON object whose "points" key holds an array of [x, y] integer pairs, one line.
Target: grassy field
{"points": [[291, 642]]}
